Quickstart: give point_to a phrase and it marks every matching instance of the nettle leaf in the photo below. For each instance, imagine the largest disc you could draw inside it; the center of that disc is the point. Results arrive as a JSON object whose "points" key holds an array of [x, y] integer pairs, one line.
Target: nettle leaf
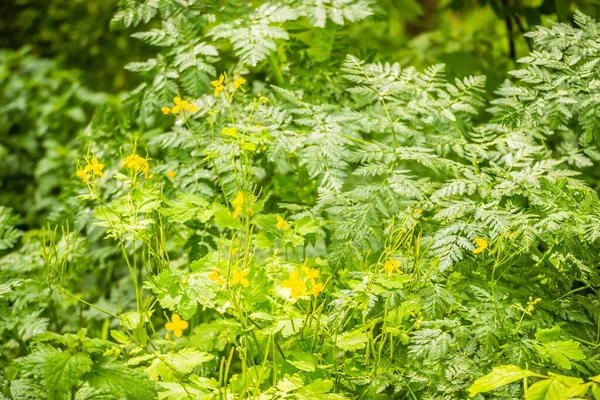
{"points": [[500, 376], [64, 370], [121, 382]]}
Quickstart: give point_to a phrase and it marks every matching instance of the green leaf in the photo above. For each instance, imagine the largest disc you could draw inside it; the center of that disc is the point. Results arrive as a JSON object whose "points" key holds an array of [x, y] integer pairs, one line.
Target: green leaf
{"points": [[353, 340], [500, 376], [182, 362], [122, 382], [557, 387], [561, 352], [64, 370], [548, 335], [224, 217]]}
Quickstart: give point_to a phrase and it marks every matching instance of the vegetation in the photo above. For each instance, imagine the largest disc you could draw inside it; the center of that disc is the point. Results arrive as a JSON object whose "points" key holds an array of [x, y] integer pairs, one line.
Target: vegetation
{"points": [[336, 199]]}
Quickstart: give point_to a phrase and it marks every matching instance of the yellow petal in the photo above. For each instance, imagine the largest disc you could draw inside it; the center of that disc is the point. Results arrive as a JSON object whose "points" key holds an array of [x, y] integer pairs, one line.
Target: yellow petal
{"points": [[482, 243], [183, 324], [176, 109], [178, 333], [177, 100], [166, 110], [170, 326], [229, 131]]}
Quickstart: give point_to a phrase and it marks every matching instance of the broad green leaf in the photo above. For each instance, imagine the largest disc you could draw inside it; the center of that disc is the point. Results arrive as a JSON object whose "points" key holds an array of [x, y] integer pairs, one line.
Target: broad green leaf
{"points": [[64, 370], [561, 352], [596, 391], [548, 335], [557, 387], [500, 376], [224, 217], [181, 362], [352, 341]]}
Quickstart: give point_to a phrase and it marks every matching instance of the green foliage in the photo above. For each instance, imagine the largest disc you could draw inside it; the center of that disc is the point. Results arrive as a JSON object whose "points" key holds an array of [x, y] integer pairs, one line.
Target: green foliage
{"points": [[273, 212]]}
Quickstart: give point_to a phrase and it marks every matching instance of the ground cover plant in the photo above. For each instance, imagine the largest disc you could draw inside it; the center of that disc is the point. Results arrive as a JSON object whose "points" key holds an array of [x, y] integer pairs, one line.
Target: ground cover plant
{"points": [[288, 202]]}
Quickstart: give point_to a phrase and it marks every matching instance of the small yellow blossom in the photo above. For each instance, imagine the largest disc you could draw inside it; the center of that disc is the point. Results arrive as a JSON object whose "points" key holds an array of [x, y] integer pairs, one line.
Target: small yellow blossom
{"points": [[83, 175], [137, 164], [391, 265], [95, 167], [146, 170], [311, 273], [295, 285], [178, 105], [532, 303], [482, 245], [317, 288], [218, 85], [282, 224], [171, 174], [216, 277], [238, 82], [176, 325], [238, 202], [134, 161], [240, 277]]}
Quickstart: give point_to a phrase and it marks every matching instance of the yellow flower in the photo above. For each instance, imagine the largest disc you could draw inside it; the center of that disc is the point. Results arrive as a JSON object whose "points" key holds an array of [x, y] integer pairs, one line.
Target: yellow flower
{"points": [[95, 167], [238, 82], [482, 243], [317, 288], [216, 277], [391, 266], [238, 202], [240, 277], [230, 131], [136, 163], [146, 170], [176, 325], [281, 224], [218, 85], [171, 174], [83, 175], [295, 285], [311, 273], [178, 105]]}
